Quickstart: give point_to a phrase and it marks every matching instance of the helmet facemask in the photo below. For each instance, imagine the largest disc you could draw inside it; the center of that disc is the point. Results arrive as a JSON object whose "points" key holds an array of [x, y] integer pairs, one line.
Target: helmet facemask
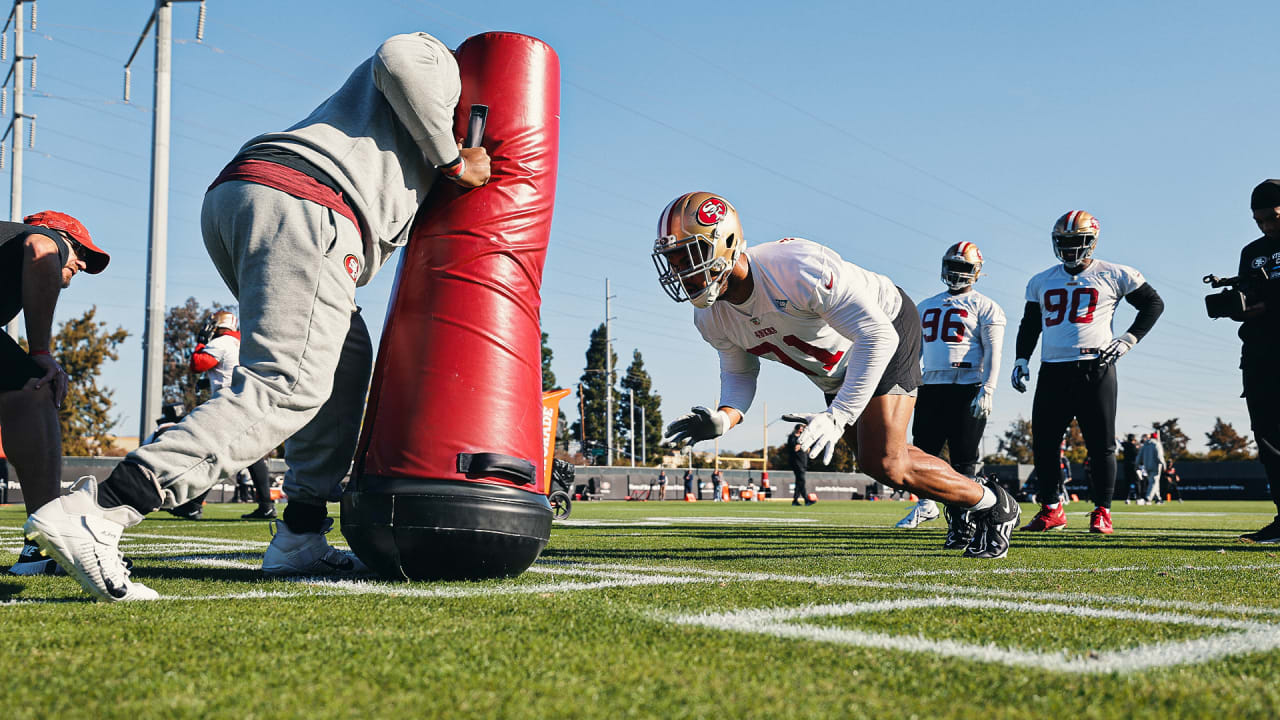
{"points": [[694, 258], [1074, 249], [958, 273]]}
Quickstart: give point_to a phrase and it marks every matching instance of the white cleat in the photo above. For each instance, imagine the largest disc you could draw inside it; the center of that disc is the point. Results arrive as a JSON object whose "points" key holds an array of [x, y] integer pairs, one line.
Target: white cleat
{"points": [[84, 538], [308, 554], [924, 511]]}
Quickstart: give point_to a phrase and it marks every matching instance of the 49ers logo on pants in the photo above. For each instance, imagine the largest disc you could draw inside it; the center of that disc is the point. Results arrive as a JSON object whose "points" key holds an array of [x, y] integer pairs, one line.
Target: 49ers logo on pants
{"points": [[352, 265]]}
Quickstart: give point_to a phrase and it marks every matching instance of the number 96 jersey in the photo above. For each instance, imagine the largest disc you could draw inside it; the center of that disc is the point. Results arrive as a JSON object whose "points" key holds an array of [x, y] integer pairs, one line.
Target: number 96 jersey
{"points": [[952, 348], [1076, 310]]}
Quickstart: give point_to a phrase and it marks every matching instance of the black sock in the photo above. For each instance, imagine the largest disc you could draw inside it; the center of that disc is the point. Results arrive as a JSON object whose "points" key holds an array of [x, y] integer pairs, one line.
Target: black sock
{"points": [[262, 484], [304, 517], [129, 484]]}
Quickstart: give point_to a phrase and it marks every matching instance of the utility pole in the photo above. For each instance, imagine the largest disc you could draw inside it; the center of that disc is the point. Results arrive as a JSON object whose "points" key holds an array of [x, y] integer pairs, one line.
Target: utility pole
{"points": [[608, 375], [644, 453], [631, 398], [15, 123], [158, 242]]}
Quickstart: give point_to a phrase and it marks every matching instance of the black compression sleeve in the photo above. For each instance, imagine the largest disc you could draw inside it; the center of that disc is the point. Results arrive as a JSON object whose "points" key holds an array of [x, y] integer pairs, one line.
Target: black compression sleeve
{"points": [[1149, 305], [1028, 331]]}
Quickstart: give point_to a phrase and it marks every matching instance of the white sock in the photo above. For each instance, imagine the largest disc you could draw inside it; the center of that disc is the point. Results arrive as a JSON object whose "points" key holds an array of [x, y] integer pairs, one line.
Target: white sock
{"points": [[988, 500]]}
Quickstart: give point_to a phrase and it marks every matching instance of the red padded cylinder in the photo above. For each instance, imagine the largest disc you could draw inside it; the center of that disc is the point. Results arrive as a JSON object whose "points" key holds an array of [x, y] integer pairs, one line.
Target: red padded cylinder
{"points": [[459, 367]]}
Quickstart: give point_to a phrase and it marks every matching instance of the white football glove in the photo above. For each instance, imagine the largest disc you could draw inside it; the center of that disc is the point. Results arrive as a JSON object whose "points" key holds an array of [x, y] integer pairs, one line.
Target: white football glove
{"points": [[692, 427], [821, 433], [982, 404], [1117, 348], [1021, 374]]}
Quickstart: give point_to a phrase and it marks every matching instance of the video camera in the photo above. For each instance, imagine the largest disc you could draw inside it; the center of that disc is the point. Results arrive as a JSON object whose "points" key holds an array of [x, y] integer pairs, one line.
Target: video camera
{"points": [[1231, 302]]}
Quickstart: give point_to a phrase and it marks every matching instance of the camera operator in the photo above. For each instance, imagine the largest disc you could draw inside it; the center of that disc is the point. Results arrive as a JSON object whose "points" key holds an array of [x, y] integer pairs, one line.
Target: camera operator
{"points": [[1260, 336]]}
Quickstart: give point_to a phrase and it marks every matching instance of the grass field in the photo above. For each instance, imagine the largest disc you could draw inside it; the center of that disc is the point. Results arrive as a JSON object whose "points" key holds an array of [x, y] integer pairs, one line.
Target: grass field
{"points": [[673, 610]]}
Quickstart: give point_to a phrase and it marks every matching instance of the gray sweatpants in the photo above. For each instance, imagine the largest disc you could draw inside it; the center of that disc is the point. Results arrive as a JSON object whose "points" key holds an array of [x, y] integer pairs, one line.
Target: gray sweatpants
{"points": [[305, 355]]}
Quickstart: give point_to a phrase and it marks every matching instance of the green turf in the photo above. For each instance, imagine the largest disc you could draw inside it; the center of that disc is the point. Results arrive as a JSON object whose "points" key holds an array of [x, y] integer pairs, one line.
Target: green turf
{"points": [[591, 631]]}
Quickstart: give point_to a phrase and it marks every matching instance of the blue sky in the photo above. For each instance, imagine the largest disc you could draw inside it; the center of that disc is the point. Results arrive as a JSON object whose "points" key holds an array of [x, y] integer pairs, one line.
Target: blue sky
{"points": [[886, 131]]}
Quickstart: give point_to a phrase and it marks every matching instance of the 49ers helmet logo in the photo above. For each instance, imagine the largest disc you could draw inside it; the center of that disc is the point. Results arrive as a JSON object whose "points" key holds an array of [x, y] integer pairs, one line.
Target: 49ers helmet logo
{"points": [[712, 211], [352, 264]]}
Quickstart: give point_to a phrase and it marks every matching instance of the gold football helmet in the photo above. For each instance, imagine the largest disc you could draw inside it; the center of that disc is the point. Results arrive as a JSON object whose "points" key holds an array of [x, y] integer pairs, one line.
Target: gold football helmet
{"points": [[961, 265], [699, 240], [1075, 236], [224, 320]]}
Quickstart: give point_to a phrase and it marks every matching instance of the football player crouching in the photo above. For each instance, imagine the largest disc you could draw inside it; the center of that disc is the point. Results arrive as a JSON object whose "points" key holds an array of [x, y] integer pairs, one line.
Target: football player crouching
{"points": [[1073, 305], [963, 331], [852, 332]]}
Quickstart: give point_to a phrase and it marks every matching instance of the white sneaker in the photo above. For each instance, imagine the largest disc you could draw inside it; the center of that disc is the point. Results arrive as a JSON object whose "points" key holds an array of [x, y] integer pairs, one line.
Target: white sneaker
{"points": [[292, 553], [924, 511], [84, 538]]}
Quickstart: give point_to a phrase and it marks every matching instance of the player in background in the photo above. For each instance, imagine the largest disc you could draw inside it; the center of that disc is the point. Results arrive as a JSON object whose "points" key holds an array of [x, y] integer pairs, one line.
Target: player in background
{"points": [[852, 332], [217, 354], [1073, 305], [963, 332]]}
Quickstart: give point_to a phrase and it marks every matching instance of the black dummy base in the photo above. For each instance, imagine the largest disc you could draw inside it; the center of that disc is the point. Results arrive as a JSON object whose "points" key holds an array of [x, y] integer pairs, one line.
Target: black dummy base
{"points": [[418, 529]]}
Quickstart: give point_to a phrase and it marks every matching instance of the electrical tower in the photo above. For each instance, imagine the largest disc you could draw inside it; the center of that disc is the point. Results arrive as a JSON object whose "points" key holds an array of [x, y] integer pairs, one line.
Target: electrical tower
{"points": [[15, 121], [158, 235]]}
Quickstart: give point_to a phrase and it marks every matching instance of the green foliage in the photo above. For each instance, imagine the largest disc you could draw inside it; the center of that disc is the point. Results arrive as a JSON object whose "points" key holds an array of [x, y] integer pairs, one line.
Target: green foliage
{"points": [[1015, 444], [637, 380], [82, 345], [549, 383], [593, 383], [1172, 438], [1227, 444], [181, 325]]}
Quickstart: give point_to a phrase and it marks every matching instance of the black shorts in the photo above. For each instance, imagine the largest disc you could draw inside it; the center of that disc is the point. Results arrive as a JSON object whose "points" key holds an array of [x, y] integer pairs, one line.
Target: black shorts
{"points": [[16, 367], [902, 375]]}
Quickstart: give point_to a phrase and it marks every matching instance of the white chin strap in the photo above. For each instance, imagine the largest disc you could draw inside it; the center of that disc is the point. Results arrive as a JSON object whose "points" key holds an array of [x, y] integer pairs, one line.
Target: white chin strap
{"points": [[707, 297]]}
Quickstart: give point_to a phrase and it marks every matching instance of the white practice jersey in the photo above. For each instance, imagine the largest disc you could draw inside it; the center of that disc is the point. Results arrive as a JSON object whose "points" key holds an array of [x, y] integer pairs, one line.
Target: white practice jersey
{"points": [[962, 338], [226, 350], [806, 310], [1076, 311]]}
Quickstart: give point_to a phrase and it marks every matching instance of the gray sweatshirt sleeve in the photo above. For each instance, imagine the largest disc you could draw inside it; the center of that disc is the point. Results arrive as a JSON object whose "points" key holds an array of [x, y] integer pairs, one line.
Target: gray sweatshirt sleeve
{"points": [[418, 76]]}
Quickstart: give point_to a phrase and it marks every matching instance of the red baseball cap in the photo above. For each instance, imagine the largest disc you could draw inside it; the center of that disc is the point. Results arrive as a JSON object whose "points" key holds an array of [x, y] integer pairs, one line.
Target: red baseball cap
{"points": [[96, 258]]}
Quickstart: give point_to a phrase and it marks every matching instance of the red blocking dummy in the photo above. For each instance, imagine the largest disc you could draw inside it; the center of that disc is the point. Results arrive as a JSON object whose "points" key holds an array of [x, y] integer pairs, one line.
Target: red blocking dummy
{"points": [[449, 467]]}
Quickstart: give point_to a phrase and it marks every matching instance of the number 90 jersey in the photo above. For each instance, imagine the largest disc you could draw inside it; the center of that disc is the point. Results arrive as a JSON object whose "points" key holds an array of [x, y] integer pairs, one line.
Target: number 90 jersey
{"points": [[952, 350], [1076, 310]]}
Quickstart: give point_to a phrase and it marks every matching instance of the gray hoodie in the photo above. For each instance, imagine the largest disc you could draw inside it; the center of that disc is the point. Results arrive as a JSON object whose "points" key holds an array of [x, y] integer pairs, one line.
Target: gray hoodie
{"points": [[381, 136]]}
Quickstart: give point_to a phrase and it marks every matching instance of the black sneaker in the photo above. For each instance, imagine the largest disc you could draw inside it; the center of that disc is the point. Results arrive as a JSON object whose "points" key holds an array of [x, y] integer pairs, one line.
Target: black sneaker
{"points": [[994, 526], [268, 513], [795, 502], [1268, 535], [960, 528], [32, 562]]}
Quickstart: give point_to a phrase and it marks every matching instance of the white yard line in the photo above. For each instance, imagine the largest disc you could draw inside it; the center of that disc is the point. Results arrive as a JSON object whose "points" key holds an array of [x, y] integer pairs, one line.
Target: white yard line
{"points": [[1243, 636]]}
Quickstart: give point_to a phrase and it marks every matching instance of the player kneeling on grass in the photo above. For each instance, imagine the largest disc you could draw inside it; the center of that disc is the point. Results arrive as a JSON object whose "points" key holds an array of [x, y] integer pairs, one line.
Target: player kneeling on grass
{"points": [[852, 332], [1073, 304], [963, 331]]}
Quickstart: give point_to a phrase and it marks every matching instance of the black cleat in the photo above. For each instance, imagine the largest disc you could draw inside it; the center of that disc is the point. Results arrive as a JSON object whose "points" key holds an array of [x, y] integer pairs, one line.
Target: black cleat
{"points": [[31, 561], [994, 526], [268, 513], [960, 528], [1268, 535]]}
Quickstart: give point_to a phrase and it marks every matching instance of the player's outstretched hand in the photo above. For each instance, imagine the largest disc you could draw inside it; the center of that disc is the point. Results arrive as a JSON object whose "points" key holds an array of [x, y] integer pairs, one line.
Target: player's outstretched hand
{"points": [[700, 424], [821, 433], [1021, 374], [982, 403], [1117, 348]]}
